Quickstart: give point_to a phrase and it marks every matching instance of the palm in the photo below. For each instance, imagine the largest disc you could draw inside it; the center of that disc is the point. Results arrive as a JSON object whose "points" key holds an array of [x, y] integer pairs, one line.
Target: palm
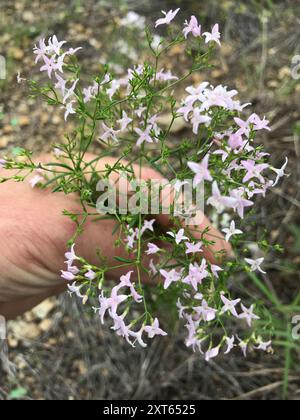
{"points": [[34, 236]]}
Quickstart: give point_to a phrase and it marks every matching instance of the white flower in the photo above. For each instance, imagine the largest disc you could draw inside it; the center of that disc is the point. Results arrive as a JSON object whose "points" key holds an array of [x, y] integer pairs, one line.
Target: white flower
{"points": [[280, 172], [255, 264], [179, 237], [231, 231]]}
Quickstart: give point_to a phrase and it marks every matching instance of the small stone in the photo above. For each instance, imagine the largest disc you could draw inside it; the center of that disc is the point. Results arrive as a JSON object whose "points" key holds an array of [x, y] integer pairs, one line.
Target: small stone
{"points": [[46, 325], [43, 309], [24, 120]]}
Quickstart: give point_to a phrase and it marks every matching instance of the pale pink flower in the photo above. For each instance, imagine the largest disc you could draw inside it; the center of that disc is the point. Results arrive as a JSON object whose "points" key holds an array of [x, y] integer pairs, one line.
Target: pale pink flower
{"points": [[264, 346], [165, 76], [148, 225], [230, 344], [144, 136], [244, 127], [235, 141], [248, 315], [240, 202], [138, 336], [219, 201], [212, 354], [152, 268], [90, 275], [70, 92], [193, 248], [229, 306], [243, 346], [154, 329], [206, 313], [121, 328], [125, 281], [61, 84], [214, 35], [192, 27], [115, 86], [215, 270], [124, 121], [152, 249], [54, 45], [201, 170], [139, 112], [181, 309], [170, 277], [198, 119], [253, 170], [196, 274], [49, 65], [74, 289], [71, 256], [69, 110], [186, 109], [73, 51], [67, 275], [109, 133], [115, 300], [41, 51], [196, 94], [222, 153], [259, 124], [169, 16]]}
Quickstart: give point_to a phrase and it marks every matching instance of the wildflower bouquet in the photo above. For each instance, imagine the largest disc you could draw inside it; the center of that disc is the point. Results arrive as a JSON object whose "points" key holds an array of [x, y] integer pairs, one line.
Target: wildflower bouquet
{"points": [[185, 268]]}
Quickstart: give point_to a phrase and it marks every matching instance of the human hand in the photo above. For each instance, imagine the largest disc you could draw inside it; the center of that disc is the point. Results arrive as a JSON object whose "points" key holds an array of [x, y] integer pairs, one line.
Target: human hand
{"points": [[34, 236]]}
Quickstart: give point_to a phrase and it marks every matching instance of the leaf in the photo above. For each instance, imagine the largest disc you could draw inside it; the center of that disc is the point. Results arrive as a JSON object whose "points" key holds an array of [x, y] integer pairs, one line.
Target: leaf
{"points": [[123, 260], [18, 393]]}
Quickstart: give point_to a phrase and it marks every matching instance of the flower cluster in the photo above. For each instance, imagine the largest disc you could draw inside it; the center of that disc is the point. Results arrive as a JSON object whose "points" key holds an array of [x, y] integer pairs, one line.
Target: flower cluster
{"points": [[221, 152]]}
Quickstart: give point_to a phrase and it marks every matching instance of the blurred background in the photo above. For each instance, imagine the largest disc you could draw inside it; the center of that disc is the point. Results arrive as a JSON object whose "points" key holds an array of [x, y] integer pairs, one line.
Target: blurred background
{"points": [[57, 351]]}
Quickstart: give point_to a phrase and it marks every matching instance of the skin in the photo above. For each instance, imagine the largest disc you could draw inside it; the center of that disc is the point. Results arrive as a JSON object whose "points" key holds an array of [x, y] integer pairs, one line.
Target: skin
{"points": [[34, 236]]}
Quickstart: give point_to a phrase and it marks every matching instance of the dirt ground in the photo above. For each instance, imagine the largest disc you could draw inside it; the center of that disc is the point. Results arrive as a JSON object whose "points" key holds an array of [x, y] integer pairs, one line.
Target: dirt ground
{"points": [[57, 351]]}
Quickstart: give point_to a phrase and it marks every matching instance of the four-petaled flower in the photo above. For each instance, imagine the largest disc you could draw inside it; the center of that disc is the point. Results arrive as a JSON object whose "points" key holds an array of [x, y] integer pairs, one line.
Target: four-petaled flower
{"points": [[193, 248], [154, 329], [124, 121], [232, 231], [280, 172], [152, 249], [168, 17], [198, 119], [248, 315], [214, 35], [229, 306], [255, 265], [253, 170], [192, 27], [179, 237], [170, 277], [201, 170]]}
